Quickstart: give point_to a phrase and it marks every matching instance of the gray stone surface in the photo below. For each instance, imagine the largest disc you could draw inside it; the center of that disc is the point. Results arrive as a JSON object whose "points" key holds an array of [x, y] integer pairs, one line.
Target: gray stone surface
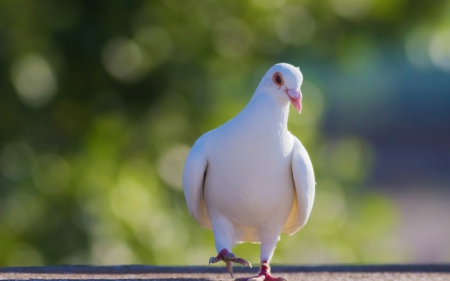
{"points": [[306, 273]]}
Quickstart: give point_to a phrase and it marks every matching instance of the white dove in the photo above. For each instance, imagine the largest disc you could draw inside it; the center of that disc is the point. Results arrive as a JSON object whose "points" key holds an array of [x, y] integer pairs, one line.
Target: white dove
{"points": [[250, 179]]}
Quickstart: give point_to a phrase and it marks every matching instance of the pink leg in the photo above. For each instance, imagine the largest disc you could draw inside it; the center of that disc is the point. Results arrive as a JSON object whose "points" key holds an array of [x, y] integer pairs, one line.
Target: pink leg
{"points": [[229, 258], [263, 274]]}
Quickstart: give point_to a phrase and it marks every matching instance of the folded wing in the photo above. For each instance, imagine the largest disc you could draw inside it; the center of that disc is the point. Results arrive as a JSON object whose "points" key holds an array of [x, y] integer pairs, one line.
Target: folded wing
{"points": [[193, 180], [303, 176]]}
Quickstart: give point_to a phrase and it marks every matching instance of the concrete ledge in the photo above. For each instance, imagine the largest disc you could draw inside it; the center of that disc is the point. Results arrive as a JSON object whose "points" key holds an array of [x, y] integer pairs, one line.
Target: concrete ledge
{"points": [[126, 269], [146, 272]]}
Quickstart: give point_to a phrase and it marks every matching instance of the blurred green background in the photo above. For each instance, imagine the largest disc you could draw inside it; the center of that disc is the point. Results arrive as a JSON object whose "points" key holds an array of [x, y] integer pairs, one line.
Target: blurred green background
{"points": [[100, 102]]}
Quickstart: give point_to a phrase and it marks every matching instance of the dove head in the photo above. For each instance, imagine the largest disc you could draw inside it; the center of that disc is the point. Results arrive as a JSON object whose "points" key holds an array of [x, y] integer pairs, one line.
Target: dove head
{"points": [[282, 82]]}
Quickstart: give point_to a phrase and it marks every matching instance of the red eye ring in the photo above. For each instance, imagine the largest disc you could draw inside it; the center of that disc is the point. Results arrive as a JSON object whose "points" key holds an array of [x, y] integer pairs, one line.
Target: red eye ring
{"points": [[278, 79]]}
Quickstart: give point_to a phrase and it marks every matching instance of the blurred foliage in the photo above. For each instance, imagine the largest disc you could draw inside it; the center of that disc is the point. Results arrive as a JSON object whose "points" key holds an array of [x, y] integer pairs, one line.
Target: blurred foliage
{"points": [[101, 100]]}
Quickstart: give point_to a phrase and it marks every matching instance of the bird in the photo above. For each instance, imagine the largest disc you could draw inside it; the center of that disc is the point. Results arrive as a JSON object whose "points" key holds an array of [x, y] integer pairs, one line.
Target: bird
{"points": [[250, 179]]}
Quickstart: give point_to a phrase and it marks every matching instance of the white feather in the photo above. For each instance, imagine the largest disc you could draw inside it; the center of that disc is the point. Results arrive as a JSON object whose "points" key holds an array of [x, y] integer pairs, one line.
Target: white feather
{"points": [[251, 179]]}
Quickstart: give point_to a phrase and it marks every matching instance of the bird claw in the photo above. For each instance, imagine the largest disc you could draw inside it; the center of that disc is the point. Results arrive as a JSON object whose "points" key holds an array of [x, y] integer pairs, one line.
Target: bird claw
{"points": [[213, 260], [229, 267], [232, 257], [242, 261], [263, 275], [229, 258]]}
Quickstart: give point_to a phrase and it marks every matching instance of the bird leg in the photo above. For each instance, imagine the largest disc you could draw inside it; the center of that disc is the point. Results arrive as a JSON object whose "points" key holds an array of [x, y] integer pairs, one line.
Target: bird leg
{"points": [[263, 274], [229, 258]]}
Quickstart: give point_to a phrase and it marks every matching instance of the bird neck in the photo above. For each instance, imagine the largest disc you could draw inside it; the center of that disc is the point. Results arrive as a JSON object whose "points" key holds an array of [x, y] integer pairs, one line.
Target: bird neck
{"points": [[266, 113]]}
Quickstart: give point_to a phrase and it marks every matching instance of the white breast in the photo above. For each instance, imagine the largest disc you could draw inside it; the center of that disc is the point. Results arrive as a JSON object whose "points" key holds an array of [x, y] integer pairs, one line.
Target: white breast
{"points": [[249, 179]]}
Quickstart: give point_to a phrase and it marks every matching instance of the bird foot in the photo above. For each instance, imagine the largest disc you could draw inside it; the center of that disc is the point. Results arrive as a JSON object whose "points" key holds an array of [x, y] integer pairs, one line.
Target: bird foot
{"points": [[229, 258], [263, 275]]}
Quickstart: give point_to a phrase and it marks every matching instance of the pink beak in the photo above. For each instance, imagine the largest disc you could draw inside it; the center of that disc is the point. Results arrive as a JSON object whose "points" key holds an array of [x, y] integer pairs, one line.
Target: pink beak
{"points": [[296, 99]]}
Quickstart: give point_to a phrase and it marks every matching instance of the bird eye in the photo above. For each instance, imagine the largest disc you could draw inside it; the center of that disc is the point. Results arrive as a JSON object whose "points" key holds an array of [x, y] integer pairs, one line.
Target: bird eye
{"points": [[277, 79]]}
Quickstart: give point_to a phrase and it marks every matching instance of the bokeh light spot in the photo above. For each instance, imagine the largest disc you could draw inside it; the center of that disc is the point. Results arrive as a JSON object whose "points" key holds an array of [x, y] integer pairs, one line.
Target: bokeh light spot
{"points": [[124, 60], [416, 47], [330, 211], [440, 49], [132, 200], [268, 4], [351, 9], [156, 43], [346, 157], [112, 252], [34, 80], [295, 25], [171, 165]]}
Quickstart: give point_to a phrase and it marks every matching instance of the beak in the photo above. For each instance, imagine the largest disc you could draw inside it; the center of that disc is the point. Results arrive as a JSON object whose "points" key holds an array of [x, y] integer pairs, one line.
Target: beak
{"points": [[296, 99]]}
